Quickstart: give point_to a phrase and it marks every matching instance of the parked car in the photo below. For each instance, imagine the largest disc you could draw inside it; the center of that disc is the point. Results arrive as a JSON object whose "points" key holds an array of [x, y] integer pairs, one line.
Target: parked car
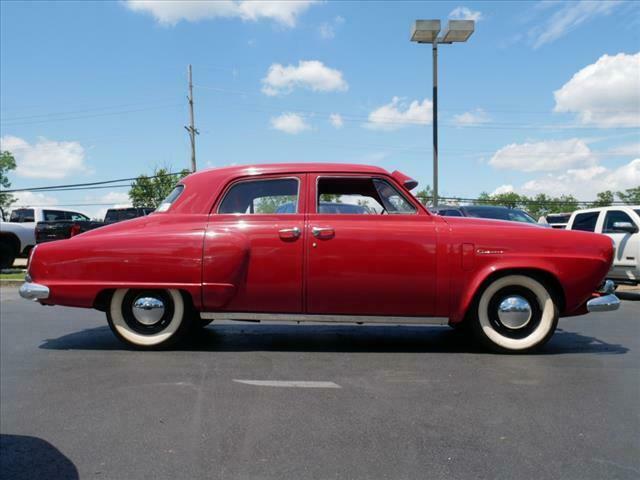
{"points": [[216, 249], [326, 207], [67, 227], [620, 223], [485, 211], [17, 236]]}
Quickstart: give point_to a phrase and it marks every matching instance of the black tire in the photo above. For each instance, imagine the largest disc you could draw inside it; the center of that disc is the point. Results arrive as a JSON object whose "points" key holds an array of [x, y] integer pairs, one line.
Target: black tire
{"points": [[173, 321], [7, 254], [495, 333]]}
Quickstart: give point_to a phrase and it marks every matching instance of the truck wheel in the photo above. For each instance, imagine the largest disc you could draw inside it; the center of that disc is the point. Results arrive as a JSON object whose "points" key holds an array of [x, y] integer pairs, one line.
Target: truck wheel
{"points": [[516, 314], [148, 319], [7, 254]]}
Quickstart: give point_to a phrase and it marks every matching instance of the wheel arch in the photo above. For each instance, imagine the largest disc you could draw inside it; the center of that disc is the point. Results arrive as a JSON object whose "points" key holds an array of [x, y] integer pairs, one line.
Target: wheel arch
{"points": [[472, 296]]}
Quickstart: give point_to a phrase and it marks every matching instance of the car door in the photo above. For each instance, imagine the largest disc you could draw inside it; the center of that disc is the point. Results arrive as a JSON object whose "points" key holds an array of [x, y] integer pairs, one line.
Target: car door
{"points": [[253, 248], [627, 244], [365, 256]]}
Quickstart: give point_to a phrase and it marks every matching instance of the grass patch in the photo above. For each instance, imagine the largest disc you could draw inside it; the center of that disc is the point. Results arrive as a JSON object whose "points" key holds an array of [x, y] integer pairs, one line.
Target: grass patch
{"points": [[11, 276]]}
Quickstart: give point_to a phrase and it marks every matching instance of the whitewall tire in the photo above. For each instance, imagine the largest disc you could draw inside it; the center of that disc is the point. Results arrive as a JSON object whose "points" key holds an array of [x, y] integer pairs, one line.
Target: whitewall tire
{"points": [[515, 313], [148, 318]]}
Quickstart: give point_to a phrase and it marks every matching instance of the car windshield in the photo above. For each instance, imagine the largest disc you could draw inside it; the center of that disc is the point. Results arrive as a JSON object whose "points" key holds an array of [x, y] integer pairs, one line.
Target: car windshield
{"points": [[564, 218], [500, 213]]}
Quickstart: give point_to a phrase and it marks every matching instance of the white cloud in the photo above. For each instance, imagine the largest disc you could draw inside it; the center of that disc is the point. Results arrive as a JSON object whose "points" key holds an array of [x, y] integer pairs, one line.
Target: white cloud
{"points": [[311, 74], [605, 93], [585, 183], [629, 149], [568, 17], [550, 155], [45, 158], [170, 12], [464, 13], [398, 114], [327, 30], [289, 122], [27, 199], [503, 189], [474, 117], [336, 120]]}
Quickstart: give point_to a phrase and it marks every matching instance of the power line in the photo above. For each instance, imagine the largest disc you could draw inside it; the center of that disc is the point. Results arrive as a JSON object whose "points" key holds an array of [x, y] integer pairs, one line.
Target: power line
{"points": [[90, 184]]}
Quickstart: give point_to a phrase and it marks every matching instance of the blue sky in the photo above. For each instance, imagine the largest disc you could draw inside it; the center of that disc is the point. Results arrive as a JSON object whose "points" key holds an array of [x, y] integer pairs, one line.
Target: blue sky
{"points": [[92, 91]]}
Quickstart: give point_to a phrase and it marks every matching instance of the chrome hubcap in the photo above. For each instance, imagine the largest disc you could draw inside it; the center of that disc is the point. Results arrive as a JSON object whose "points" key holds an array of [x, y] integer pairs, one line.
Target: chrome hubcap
{"points": [[148, 310], [514, 312]]}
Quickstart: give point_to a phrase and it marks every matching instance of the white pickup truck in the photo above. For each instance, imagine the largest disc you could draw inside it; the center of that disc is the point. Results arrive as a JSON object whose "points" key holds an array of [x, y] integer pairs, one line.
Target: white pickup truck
{"points": [[622, 224], [17, 236]]}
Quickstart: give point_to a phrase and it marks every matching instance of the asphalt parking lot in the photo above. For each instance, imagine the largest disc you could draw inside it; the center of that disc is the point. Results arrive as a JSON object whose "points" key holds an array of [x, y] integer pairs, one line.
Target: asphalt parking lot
{"points": [[390, 402]]}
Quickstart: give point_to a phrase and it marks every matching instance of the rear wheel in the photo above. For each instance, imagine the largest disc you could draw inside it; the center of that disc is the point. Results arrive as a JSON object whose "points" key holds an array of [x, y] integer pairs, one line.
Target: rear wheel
{"points": [[515, 313], [148, 318]]}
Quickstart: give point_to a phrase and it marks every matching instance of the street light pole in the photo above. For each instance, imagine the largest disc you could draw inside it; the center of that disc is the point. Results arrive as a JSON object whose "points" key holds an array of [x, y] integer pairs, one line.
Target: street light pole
{"points": [[427, 31], [434, 109]]}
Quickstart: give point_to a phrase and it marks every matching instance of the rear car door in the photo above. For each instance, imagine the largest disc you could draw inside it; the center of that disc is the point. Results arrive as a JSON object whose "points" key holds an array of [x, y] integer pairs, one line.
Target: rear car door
{"points": [[370, 249], [253, 248]]}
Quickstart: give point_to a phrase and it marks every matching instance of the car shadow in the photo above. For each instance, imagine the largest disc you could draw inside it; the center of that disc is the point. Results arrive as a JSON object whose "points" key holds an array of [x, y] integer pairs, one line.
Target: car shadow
{"points": [[333, 338], [26, 457], [627, 295]]}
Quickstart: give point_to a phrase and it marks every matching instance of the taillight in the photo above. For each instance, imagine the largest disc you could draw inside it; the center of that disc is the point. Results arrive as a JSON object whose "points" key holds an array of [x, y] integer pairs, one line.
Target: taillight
{"points": [[75, 230]]}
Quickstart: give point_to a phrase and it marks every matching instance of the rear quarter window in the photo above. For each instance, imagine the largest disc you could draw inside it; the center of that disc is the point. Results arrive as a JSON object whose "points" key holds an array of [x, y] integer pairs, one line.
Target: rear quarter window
{"points": [[585, 221]]}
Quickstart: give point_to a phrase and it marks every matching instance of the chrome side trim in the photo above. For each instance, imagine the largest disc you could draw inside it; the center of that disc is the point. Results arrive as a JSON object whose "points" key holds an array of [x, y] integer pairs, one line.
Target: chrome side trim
{"points": [[606, 303], [293, 317], [34, 291]]}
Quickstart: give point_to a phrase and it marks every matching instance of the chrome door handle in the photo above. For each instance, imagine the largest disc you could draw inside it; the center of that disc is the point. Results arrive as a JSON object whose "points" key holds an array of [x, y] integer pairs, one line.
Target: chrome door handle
{"points": [[323, 232], [289, 233]]}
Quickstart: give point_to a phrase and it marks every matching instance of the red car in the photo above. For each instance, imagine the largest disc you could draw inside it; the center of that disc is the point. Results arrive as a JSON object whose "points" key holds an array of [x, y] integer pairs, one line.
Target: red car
{"points": [[221, 246]]}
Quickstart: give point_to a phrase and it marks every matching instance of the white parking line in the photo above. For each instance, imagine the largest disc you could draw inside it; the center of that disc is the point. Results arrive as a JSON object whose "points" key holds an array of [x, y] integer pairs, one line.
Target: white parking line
{"points": [[288, 383]]}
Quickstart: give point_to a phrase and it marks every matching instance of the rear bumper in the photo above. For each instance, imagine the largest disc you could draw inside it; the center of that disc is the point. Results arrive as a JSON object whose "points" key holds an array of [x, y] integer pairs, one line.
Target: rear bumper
{"points": [[34, 291], [605, 303]]}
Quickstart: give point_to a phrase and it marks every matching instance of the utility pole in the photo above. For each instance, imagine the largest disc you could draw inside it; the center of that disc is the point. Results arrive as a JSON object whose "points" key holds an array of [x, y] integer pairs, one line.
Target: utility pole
{"points": [[193, 131]]}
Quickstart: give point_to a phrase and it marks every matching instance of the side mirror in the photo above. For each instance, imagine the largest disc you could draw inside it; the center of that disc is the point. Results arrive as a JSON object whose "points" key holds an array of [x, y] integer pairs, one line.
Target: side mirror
{"points": [[626, 227]]}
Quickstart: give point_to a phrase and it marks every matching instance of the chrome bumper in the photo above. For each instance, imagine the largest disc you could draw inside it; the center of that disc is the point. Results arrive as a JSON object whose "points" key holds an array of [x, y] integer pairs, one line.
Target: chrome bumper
{"points": [[605, 303], [34, 291]]}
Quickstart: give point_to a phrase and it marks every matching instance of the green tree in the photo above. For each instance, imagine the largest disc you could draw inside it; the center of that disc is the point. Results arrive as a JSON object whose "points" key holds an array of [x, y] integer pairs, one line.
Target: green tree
{"points": [[631, 196], [7, 163], [150, 191], [425, 196], [603, 199]]}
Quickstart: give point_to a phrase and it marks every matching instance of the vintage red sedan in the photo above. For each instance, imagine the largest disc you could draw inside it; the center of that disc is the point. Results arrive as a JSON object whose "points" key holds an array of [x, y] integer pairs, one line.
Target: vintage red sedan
{"points": [[321, 243]]}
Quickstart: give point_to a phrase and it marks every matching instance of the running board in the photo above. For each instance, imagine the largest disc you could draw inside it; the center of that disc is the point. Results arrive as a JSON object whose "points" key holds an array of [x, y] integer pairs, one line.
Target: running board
{"points": [[293, 317]]}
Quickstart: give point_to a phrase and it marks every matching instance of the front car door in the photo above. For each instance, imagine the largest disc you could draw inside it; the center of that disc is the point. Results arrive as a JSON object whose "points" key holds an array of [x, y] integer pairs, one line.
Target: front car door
{"points": [[253, 248], [370, 249], [627, 244]]}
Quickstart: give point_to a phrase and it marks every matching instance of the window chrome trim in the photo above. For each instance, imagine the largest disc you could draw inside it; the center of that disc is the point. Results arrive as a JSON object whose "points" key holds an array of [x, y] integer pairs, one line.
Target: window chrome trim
{"points": [[360, 175], [258, 179]]}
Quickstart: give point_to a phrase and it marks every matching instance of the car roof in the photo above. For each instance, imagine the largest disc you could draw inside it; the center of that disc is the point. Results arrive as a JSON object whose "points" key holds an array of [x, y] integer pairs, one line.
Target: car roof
{"points": [[604, 209], [278, 168]]}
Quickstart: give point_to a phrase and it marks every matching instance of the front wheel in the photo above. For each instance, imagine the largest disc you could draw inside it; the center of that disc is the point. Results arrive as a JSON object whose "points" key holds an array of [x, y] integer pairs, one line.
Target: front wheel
{"points": [[148, 318], [515, 313]]}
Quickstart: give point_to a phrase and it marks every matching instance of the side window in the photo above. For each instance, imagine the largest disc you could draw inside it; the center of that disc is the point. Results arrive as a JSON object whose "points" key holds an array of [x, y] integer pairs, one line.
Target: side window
{"points": [[614, 216], [54, 215], [273, 196], [585, 221], [360, 196], [22, 215], [77, 217]]}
